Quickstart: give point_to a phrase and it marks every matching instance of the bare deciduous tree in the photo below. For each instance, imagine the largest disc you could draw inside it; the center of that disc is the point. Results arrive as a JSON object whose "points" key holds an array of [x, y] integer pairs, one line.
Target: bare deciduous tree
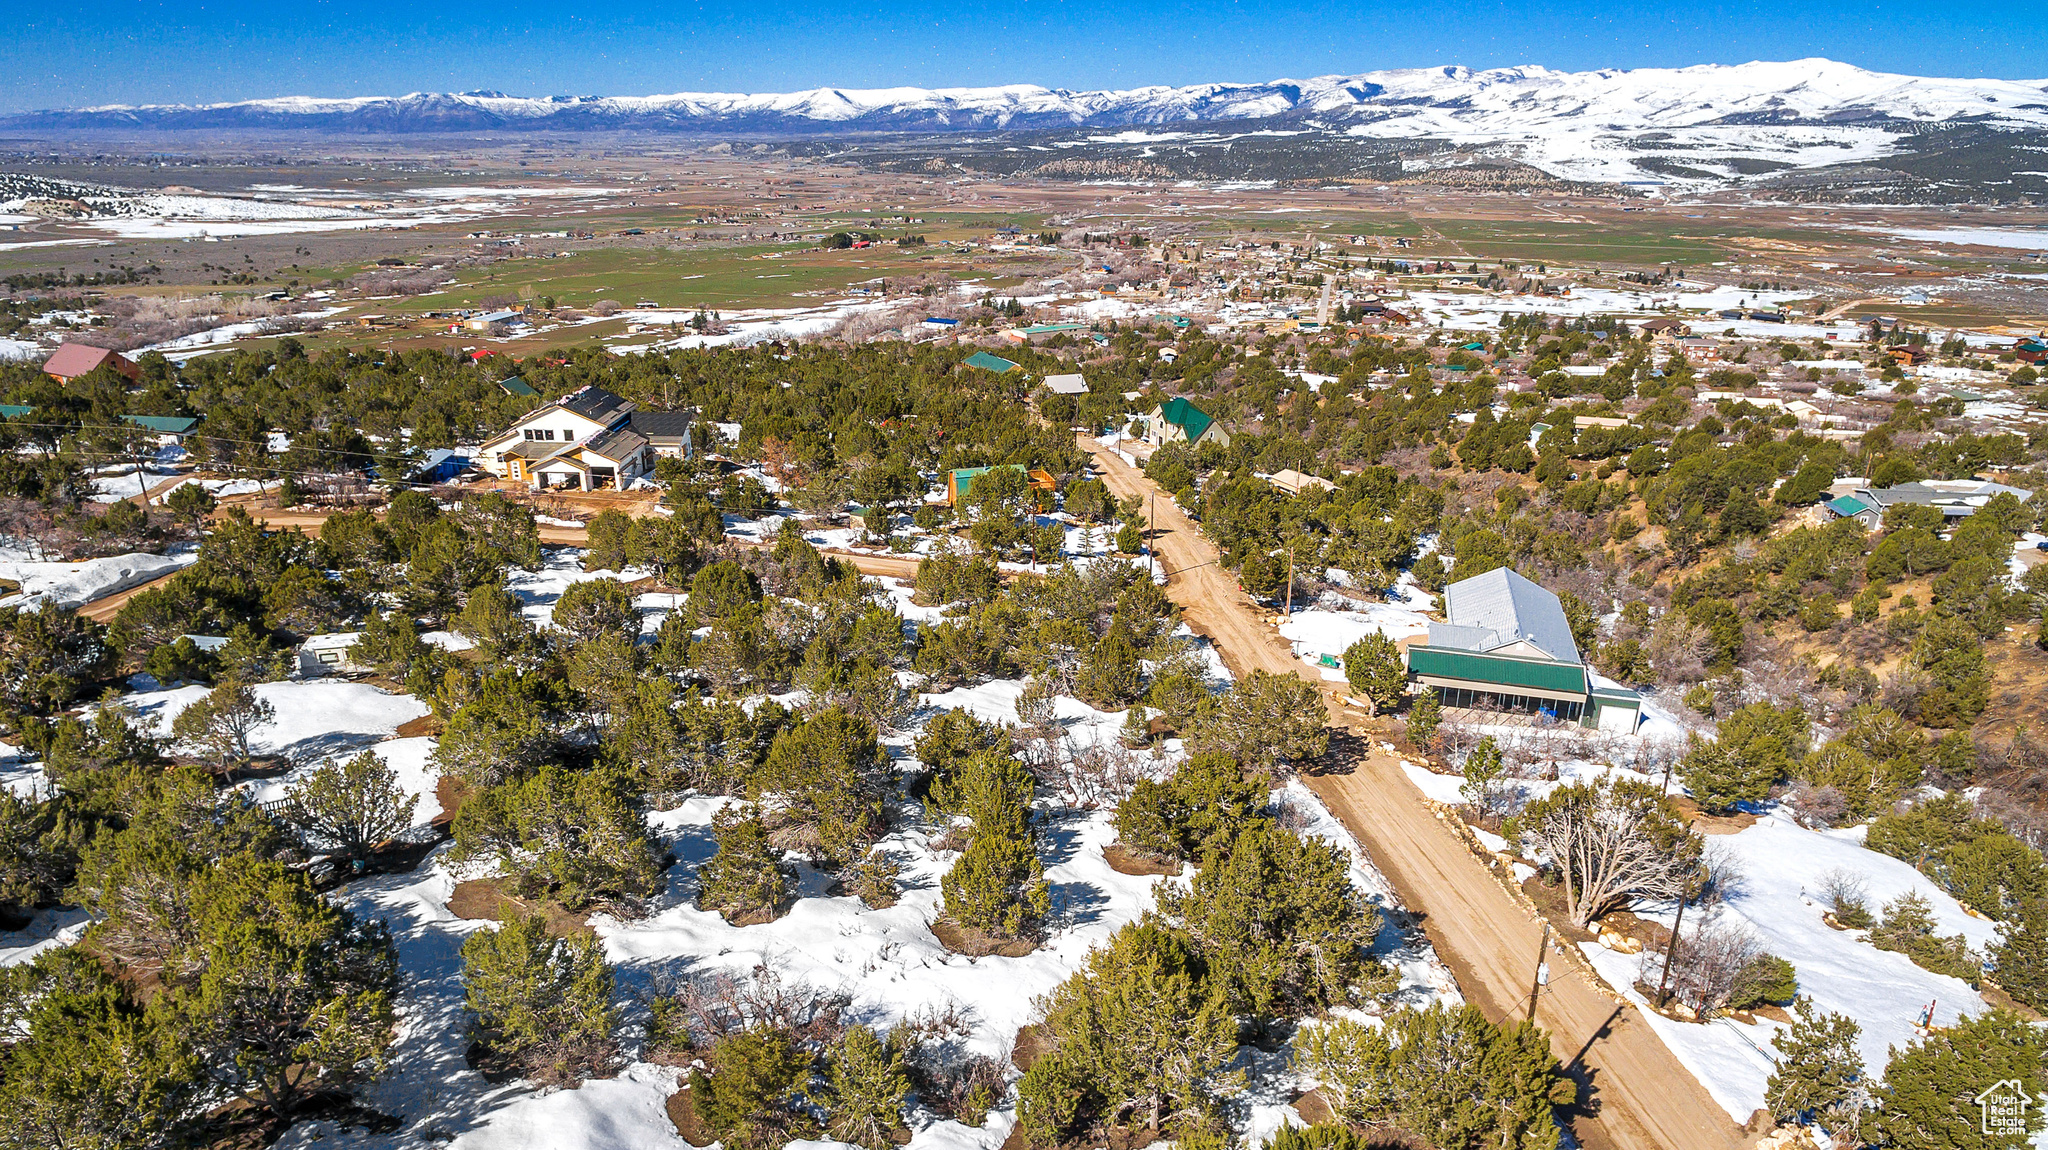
{"points": [[1613, 843]]}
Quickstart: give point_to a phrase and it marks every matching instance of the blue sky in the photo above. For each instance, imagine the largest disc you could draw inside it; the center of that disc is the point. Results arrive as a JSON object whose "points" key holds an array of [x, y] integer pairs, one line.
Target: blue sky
{"points": [[135, 51]]}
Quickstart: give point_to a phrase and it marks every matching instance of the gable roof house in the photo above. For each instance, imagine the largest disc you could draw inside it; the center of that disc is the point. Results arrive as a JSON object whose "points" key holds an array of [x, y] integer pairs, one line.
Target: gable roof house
{"points": [[1955, 498], [76, 359], [587, 440], [1506, 649], [1178, 420]]}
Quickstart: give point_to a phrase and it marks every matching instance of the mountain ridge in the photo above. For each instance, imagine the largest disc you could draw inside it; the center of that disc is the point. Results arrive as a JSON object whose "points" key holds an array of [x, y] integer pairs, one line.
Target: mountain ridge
{"points": [[1448, 100]]}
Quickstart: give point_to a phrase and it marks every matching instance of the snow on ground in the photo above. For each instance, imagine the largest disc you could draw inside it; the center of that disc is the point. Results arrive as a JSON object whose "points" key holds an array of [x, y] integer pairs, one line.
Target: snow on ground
{"points": [[316, 718], [410, 759], [538, 591], [46, 930], [75, 584], [1783, 864], [2029, 239]]}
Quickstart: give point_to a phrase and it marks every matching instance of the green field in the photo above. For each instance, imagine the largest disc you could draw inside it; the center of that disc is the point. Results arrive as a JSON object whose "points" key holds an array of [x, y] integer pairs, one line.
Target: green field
{"points": [[1651, 244], [712, 278]]}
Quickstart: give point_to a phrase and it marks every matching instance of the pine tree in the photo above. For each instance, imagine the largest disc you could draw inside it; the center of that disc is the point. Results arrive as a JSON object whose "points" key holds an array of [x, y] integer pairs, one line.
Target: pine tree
{"points": [[350, 807], [288, 995], [1820, 1071], [873, 880], [1485, 776], [1136, 730], [87, 1066], [222, 723], [1278, 923], [1139, 1028], [1354, 1063], [1424, 715], [1373, 669], [1109, 677], [2022, 954], [574, 836], [542, 1005], [829, 776], [997, 886], [751, 1098], [868, 1084], [746, 877], [1928, 1100]]}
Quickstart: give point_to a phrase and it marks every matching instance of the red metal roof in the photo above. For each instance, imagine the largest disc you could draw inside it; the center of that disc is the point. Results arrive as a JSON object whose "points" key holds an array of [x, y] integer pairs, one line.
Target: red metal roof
{"points": [[76, 359]]}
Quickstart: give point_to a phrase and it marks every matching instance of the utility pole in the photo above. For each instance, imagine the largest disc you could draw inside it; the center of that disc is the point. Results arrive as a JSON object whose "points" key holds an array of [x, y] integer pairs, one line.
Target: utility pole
{"points": [[1542, 974], [1671, 951], [1290, 582], [1151, 521]]}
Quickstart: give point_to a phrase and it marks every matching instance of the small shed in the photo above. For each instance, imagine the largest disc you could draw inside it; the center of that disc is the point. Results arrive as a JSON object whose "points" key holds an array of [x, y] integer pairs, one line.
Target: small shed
{"points": [[328, 655]]}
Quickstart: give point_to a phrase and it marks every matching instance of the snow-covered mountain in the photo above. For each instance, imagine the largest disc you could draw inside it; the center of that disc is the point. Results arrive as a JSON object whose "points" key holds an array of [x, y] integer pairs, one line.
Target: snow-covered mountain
{"points": [[1500, 103]]}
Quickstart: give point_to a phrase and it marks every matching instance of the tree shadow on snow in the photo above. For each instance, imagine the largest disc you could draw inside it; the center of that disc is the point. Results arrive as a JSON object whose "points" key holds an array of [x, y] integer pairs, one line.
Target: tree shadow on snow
{"points": [[1077, 904]]}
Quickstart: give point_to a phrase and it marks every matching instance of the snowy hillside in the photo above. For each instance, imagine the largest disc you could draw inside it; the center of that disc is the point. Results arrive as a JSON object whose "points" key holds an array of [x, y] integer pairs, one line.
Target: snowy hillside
{"points": [[1452, 101]]}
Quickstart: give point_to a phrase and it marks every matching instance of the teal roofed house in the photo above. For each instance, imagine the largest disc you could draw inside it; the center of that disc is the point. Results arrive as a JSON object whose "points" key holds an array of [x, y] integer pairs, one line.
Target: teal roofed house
{"points": [[1506, 651], [163, 424], [518, 386], [1178, 420], [987, 362]]}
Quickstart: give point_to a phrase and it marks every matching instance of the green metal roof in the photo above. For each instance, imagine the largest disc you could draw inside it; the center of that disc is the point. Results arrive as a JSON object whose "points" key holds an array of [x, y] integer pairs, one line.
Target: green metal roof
{"points": [[1182, 413], [1847, 505], [163, 424], [1499, 670], [964, 477], [1475, 347], [15, 410], [987, 362], [1050, 328], [519, 387]]}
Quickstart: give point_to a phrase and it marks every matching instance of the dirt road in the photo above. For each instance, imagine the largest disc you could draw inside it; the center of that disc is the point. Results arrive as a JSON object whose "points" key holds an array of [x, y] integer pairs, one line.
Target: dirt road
{"points": [[1639, 1096], [103, 609]]}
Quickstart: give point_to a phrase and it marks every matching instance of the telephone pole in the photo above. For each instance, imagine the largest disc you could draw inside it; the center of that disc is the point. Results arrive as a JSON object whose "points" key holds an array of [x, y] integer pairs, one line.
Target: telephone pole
{"points": [[1542, 974], [1290, 582], [1151, 521], [1671, 950]]}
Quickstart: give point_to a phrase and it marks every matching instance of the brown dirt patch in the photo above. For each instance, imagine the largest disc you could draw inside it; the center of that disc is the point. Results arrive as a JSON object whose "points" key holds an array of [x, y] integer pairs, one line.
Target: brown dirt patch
{"points": [[682, 1112], [451, 792], [1313, 1108], [1549, 900], [480, 899], [1030, 1043], [426, 726], [1122, 861], [1708, 824], [973, 943]]}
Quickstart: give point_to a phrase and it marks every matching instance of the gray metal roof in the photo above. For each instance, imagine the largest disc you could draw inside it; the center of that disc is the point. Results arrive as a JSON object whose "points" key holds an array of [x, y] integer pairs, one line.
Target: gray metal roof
{"points": [[1508, 608], [619, 444], [595, 404], [663, 424]]}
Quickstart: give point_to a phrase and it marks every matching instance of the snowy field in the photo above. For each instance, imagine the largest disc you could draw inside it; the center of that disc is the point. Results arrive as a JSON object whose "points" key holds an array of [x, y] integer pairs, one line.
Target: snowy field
{"points": [[75, 584], [887, 962]]}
